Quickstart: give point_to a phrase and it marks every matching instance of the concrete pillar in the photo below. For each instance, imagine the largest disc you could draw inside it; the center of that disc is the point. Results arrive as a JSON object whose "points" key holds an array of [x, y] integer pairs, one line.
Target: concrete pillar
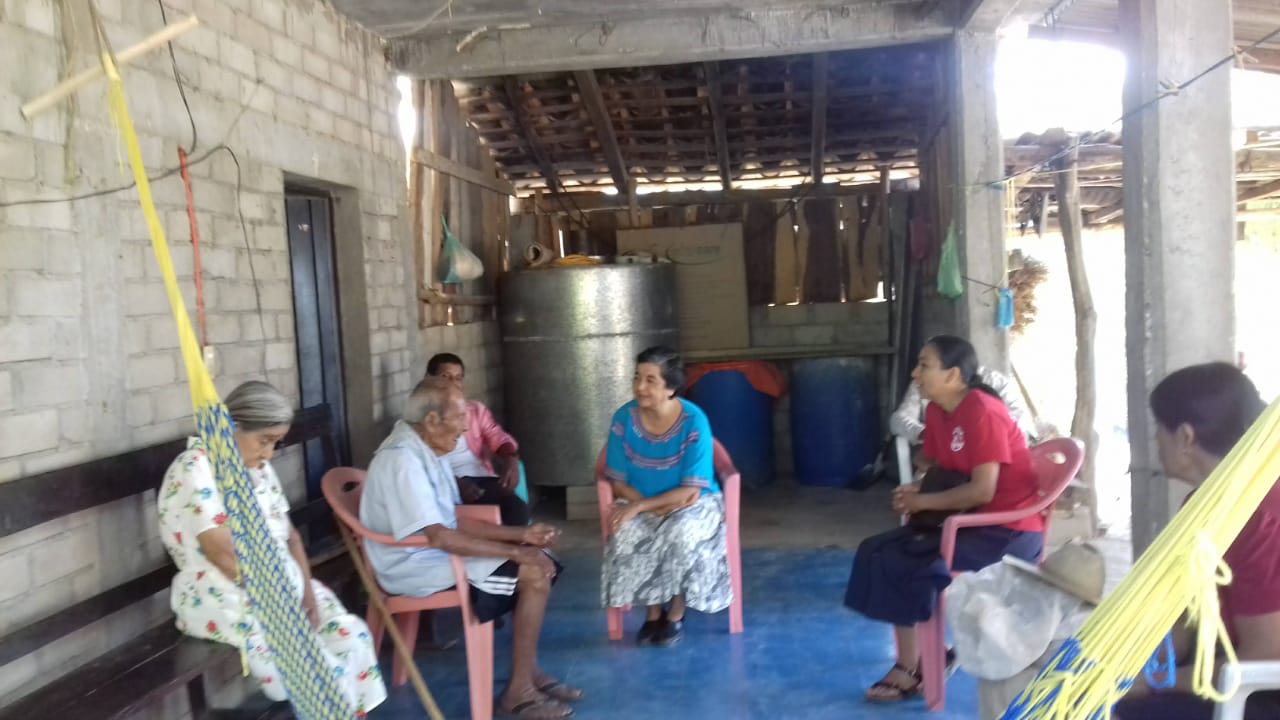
{"points": [[979, 207], [1179, 203]]}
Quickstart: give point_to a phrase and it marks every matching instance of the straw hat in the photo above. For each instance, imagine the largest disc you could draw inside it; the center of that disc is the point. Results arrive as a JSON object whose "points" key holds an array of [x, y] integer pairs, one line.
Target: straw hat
{"points": [[1076, 568]]}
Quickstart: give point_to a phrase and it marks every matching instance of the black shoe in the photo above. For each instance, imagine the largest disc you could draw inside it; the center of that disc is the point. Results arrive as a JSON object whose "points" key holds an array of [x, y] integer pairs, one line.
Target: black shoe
{"points": [[672, 632], [649, 632]]}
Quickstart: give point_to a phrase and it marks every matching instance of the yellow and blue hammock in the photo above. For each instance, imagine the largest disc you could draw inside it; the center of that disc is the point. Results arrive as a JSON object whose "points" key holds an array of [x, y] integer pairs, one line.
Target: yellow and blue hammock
{"points": [[1180, 573], [313, 689]]}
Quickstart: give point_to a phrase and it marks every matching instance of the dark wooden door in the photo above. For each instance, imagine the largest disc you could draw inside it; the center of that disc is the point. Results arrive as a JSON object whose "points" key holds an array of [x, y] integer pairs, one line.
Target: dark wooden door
{"points": [[315, 304]]}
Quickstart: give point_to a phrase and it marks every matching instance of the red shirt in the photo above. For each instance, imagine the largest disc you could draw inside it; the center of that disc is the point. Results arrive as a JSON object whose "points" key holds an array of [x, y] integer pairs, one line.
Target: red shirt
{"points": [[977, 432], [1254, 559]]}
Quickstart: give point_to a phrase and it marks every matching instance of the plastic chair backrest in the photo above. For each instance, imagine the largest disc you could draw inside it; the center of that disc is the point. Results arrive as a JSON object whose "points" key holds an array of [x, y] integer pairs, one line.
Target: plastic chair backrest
{"points": [[342, 488], [1056, 462]]}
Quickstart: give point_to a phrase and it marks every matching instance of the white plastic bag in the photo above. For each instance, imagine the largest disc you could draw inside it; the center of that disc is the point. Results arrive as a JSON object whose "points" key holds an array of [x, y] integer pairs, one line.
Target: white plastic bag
{"points": [[1003, 620], [457, 263]]}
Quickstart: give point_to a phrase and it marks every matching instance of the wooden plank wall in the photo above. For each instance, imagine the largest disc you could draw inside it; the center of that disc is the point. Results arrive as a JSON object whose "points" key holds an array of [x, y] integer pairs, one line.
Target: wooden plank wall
{"points": [[477, 216], [814, 250]]}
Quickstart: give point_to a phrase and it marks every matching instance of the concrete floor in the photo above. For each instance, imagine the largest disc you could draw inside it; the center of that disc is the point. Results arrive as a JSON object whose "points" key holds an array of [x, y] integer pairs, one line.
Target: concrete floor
{"points": [[802, 654]]}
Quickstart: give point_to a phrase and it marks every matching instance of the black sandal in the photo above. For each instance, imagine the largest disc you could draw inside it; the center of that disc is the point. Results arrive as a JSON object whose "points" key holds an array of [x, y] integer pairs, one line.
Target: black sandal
{"points": [[903, 693]]}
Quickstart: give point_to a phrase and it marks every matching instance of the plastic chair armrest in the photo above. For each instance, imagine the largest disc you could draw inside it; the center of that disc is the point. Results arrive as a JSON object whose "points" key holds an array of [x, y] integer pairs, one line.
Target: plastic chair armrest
{"points": [[1253, 676], [484, 513], [963, 520]]}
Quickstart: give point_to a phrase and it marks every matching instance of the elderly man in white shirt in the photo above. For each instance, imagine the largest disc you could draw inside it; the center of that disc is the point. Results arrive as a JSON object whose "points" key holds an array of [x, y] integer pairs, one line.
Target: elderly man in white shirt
{"points": [[409, 491]]}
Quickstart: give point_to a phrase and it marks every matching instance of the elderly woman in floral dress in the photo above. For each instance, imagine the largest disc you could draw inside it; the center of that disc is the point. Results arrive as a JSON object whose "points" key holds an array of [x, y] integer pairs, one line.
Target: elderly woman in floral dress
{"points": [[206, 594]]}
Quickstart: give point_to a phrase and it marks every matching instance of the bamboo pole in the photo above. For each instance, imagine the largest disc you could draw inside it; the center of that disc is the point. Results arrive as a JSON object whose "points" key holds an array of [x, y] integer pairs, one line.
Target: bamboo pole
{"points": [[388, 622], [88, 75]]}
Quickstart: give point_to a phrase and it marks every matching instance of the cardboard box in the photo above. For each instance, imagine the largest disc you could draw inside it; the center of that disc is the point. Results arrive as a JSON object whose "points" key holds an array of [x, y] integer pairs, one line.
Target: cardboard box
{"points": [[711, 279]]}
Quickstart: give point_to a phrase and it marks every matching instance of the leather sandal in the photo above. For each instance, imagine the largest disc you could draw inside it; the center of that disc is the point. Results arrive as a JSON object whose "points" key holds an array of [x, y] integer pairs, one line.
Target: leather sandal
{"points": [[898, 692]]}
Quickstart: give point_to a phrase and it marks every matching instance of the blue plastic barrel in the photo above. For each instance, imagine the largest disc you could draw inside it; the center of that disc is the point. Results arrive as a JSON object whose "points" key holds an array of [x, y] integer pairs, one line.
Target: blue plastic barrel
{"points": [[835, 419], [741, 418]]}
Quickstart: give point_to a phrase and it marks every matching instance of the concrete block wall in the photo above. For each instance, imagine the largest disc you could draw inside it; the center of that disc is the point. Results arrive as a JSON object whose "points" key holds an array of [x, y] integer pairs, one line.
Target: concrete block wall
{"points": [[862, 324], [89, 365], [479, 344]]}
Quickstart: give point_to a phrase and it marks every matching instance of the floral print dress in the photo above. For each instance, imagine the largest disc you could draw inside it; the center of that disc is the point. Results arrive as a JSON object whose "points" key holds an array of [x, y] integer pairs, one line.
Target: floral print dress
{"points": [[210, 606]]}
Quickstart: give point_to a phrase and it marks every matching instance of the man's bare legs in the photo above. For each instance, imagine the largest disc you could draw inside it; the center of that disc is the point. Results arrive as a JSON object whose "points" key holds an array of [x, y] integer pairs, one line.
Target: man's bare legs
{"points": [[534, 589]]}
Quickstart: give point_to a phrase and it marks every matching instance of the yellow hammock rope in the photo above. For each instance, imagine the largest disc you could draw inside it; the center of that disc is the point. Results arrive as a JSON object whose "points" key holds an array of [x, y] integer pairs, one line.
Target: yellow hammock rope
{"points": [[1181, 571], [313, 689]]}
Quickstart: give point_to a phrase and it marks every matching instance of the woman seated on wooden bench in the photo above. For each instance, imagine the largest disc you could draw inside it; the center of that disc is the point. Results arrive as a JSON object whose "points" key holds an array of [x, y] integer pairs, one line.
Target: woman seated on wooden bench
{"points": [[206, 594]]}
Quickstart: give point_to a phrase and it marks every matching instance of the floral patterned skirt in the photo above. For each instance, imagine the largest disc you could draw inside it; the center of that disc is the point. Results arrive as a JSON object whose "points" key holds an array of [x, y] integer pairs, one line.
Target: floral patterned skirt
{"points": [[653, 558], [344, 640]]}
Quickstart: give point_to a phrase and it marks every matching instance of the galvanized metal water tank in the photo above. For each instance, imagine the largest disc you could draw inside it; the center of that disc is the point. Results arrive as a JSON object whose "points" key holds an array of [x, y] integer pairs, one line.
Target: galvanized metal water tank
{"points": [[569, 342]]}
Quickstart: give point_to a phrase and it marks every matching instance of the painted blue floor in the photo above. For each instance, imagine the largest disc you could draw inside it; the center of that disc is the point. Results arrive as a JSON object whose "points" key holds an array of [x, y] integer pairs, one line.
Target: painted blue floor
{"points": [[802, 654]]}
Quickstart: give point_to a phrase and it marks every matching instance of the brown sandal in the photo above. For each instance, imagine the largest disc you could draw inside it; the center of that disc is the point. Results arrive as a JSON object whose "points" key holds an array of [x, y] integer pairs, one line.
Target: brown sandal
{"points": [[902, 693], [545, 709], [557, 690]]}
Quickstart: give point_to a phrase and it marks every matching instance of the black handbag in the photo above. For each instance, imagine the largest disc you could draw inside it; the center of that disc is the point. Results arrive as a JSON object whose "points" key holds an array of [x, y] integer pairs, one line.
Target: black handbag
{"points": [[937, 480]]}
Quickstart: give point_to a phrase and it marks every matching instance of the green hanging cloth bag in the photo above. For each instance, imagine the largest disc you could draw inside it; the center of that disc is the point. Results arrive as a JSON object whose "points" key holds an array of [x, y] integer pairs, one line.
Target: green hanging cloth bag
{"points": [[950, 282]]}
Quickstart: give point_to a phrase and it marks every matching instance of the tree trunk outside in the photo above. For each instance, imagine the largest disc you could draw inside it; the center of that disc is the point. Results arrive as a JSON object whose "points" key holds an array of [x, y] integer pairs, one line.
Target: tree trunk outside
{"points": [[1067, 188]]}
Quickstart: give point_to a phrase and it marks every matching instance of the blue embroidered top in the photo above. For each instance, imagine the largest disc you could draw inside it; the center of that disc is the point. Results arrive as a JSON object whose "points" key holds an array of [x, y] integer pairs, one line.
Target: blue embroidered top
{"points": [[654, 464]]}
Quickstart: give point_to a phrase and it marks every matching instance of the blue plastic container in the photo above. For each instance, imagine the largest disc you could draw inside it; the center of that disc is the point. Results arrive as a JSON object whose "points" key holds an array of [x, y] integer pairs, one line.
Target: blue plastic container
{"points": [[835, 419], [741, 419]]}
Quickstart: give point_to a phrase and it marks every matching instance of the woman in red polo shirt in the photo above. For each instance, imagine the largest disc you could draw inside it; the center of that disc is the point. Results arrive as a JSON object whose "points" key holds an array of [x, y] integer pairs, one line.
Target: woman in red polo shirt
{"points": [[1201, 412], [897, 575]]}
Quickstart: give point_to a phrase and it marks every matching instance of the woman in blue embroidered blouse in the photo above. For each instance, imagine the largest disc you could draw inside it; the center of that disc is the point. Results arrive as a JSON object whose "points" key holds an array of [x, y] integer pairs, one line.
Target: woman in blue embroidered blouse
{"points": [[667, 536]]}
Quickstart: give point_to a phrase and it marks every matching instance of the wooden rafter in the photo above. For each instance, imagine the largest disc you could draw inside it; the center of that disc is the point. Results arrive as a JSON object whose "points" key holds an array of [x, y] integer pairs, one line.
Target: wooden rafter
{"points": [[1257, 192], [1107, 214], [818, 151], [525, 127], [589, 202], [593, 101], [715, 97]]}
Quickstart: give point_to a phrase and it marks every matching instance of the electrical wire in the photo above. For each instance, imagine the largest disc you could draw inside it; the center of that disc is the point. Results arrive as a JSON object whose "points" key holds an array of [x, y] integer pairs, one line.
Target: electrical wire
{"points": [[177, 78], [253, 275], [169, 172]]}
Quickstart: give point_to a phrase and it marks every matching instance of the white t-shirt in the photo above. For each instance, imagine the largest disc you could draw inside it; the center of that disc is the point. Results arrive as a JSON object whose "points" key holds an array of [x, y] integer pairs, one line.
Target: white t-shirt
{"points": [[463, 462], [408, 488]]}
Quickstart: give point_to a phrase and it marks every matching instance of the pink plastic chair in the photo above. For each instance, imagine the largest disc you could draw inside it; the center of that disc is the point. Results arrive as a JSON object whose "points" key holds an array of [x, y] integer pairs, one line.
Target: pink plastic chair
{"points": [[731, 486], [1056, 461], [342, 487]]}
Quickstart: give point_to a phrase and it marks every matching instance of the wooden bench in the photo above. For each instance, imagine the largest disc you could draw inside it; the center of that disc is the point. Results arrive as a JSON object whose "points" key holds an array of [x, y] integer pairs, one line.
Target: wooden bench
{"points": [[160, 660]]}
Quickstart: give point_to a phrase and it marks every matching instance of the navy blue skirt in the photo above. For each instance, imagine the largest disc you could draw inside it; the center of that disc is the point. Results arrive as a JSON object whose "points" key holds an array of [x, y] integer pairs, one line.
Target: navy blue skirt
{"points": [[897, 575]]}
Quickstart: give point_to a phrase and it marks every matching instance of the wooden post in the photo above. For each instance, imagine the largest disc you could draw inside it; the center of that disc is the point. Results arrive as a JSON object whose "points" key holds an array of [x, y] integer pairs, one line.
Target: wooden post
{"points": [[818, 148], [1067, 187], [417, 178], [440, 144], [715, 99]]}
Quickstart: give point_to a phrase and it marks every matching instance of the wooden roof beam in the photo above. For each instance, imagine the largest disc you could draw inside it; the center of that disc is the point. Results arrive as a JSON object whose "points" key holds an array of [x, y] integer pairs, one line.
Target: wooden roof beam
{"points": [[991, 15], [590, 201], [593, 101], [1257, 192], [722, 33], [516, 100], [715, 97], [818, 151]]}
